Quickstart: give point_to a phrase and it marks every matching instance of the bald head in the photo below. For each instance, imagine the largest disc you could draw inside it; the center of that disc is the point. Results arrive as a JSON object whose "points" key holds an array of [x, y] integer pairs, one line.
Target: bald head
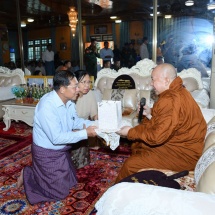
{"points": [[166, 70], [162, 77]]}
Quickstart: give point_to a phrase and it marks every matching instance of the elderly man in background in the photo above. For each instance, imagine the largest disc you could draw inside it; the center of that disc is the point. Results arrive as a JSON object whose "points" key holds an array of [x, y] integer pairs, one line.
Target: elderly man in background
{"points": [[106, 53], [171, 136], [48, 59]]}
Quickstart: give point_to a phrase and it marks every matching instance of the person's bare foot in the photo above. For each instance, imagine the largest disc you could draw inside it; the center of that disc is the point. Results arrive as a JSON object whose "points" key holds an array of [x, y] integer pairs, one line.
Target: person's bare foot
{"points": [[20, 180]]}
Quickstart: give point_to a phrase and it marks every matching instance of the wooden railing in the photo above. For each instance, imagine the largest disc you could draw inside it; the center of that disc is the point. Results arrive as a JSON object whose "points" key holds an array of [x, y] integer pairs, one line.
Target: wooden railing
{"points": [[46, 80]]}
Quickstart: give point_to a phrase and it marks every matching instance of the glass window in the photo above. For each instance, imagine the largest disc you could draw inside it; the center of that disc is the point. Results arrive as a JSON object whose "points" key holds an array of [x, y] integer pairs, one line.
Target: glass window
{"points": [[43, 48], [37, 42], [37, 47], [30, 53], [30, 42], [44, 41], [37, 53]]}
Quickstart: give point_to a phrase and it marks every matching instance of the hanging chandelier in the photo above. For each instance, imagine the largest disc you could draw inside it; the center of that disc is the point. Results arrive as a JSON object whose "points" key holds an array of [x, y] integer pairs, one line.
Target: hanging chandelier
{"points": [[72, 14]]}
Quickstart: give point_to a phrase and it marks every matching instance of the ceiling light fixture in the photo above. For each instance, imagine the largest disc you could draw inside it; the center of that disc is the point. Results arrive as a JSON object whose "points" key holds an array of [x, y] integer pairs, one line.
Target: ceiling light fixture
{"points": [[107, 4], [23, 24], [211, 6], [189, 3], [151, 14], [72, 14], [153, 7], [168, 16], [30, 20], [118, 21], [113, 17]]}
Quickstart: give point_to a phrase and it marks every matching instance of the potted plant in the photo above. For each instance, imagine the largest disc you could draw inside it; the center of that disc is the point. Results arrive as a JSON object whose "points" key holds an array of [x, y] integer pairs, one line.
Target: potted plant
{"points": [[18, 92]]}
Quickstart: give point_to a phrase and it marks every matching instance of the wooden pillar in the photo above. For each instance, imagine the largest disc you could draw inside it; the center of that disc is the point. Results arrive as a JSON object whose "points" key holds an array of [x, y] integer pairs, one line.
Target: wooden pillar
{"points": [[20, 35], [80, 37], [154, 36]]}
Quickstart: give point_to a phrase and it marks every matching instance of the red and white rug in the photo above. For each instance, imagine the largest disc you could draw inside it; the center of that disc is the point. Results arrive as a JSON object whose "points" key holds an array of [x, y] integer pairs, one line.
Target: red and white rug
{"points": [[94, 179]]}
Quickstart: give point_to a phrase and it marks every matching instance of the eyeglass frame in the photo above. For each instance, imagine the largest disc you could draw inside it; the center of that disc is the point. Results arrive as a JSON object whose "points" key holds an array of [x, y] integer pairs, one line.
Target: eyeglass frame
{"points": [[70, 86]]}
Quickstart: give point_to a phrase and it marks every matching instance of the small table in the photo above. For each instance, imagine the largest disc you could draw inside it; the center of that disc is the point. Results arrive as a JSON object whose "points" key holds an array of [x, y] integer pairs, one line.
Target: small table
{"points": [[23, 112]]}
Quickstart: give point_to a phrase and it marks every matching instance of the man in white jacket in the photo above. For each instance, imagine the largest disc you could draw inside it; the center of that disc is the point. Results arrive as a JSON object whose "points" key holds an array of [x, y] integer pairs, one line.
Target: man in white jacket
{"points": [[144, 53], [48, 59], [106, 53]]}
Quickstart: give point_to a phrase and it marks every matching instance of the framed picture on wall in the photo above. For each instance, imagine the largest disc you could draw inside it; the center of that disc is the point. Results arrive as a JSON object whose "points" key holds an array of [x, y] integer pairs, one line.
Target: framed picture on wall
{"points": [[100, 29], [96, 37], [108, 37], [63, 46]]}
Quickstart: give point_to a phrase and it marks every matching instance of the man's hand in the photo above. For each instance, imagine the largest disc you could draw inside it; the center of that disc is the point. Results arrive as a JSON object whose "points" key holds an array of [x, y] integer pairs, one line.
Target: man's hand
{"points": [[95, 49], [91, 131], [95, 117], [124, 131]]}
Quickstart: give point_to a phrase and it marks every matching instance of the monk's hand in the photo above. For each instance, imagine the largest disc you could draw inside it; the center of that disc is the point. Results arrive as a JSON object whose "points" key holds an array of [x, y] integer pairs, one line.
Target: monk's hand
{"points": [[91, 131], [146, 111], [124, 131]]}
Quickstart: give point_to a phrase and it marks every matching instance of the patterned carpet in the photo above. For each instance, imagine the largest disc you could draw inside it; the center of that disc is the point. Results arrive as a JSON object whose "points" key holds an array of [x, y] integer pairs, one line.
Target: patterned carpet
{"points": [[94, 179]]}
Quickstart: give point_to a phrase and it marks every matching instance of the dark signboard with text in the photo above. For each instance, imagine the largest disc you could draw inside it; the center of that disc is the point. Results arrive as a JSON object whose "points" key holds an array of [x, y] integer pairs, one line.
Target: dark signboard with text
{"points": [[123, 82]]}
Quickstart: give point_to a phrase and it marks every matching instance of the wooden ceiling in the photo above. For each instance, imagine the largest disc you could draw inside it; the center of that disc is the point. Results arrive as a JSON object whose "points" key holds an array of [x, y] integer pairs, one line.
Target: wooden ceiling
{"points": [[54, 12]]}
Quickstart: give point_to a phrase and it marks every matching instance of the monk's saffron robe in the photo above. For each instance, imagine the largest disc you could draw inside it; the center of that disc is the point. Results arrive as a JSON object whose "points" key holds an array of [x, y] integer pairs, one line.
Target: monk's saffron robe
{"points": [[172, 139]]}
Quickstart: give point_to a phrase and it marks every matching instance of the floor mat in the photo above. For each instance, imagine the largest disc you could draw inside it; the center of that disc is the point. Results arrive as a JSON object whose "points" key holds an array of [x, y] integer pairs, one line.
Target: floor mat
{"points": [[93, 180]]}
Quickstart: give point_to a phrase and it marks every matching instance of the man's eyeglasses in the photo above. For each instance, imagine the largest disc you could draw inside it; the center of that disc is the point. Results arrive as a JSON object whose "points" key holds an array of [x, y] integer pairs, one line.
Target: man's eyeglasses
{"points": [[86, 82], [75, 86]]}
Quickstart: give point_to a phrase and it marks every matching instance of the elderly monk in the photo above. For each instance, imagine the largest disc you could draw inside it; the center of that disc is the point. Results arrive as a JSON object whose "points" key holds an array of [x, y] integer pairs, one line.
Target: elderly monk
{"points": [[171, 136]]}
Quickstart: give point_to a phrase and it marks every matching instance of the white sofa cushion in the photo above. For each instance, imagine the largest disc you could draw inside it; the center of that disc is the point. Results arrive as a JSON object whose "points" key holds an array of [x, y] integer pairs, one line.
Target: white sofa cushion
{"points": [[141, 199], [208, 114], [6, 93], [205, 167], [205, 172], [128, 97], [206, 84], [201, 97], [210, 135]]}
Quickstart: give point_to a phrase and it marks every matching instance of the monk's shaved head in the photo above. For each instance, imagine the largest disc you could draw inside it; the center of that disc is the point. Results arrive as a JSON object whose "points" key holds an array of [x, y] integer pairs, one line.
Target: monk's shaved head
{"points": [[166, 70], [162, 77]]}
